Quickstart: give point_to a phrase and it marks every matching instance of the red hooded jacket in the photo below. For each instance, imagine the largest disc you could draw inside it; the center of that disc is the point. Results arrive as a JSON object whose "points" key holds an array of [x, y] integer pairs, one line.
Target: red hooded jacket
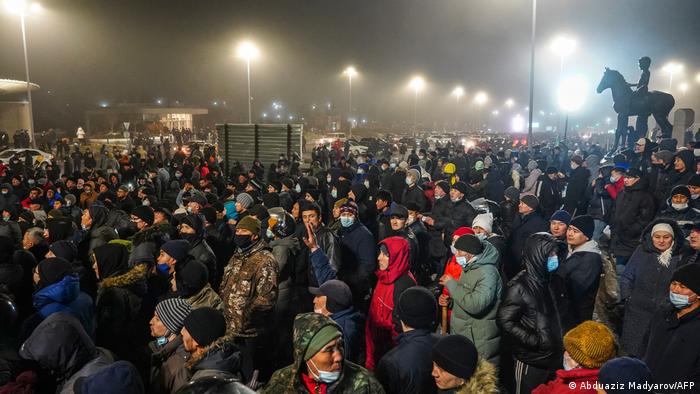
{"points": [[582, 380]]}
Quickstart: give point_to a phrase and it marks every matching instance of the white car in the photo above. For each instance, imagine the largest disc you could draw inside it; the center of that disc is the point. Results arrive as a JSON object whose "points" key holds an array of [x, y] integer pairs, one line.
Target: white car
{"points": [[41, 156]]}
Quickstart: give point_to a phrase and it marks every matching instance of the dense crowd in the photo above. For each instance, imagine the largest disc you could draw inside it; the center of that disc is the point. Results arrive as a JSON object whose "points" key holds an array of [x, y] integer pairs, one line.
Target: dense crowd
{"points": [[434, 269]]}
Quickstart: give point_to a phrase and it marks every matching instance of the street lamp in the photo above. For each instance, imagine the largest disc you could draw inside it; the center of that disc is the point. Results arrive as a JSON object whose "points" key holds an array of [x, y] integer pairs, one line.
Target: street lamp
{"points": [[23, 8], [417, 84], [247, 51], [480, 99], [672, 68], [532, 70], [562, 46], [572, 95], [350, 72], [510, 103], [683, 87]]}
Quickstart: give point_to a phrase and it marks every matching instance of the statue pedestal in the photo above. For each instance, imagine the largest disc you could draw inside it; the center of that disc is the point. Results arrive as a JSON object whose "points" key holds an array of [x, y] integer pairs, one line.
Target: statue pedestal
{"points": [[682, 119]]}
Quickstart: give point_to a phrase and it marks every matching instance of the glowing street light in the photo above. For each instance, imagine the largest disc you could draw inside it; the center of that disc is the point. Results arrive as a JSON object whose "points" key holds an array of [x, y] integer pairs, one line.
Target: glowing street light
{"points": [[517, 124], [572, 96], [671, 68], [458, 92], [481, 98], [683, 87], [495, 112], [563, 46], [697, 78], [417, 84], [24, 8], [350, 72], [510, 103], [248, 51]]}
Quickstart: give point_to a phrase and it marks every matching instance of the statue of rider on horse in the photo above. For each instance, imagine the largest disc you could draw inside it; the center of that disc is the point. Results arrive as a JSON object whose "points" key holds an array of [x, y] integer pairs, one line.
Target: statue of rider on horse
{"points": [[640, 102]]}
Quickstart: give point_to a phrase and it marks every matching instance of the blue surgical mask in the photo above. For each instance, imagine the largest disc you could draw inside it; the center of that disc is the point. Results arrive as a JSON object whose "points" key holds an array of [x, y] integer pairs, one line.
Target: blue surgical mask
{"points": [[163, 269], [462, 261], [161, 341], [189, 209], [679, 301], [325, 376], [552, 263], [334, 193], [6, 218], [346, 221], [438, 197], [613, 179]]}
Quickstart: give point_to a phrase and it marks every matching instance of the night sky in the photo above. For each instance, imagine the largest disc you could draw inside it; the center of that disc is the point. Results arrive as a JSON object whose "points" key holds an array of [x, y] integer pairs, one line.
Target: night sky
{"points": [[87, 52]]}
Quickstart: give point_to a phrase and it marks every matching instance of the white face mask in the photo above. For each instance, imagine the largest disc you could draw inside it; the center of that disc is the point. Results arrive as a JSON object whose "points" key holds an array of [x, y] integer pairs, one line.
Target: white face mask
{"points": [[334, 193], [569, 363], [297, 188], [694, 196], [409, 181], [366, 183], [679, 207], [328, 179], [410, 219]]}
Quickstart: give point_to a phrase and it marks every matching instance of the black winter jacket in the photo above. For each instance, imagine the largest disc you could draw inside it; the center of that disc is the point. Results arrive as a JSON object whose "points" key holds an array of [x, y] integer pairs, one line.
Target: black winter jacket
{"points": [[634, 209], [407, 367], [575, 202], [523, 227]]}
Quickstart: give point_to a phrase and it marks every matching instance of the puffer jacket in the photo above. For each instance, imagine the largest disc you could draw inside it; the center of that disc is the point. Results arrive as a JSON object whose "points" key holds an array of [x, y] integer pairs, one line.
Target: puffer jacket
{"points": [[206, 297], [148, 241], [483, 381], [329, 243], [284, 250], [354, 379], [65, 296], [644, 287], [634, 209], [528, 316], [167, 363], [407, 368], [249, 289], [582, 379], [201, 252], [476, 297], [12, 231], [683, 217], [221, 359]]}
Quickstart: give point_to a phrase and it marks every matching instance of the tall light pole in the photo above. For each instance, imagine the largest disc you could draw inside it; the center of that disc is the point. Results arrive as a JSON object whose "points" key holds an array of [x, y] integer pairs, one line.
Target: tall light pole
{"points": [[417, 84], [671, 69], [22, 8], [532, 72], [247, 51], [458, 92], [350, 72]]}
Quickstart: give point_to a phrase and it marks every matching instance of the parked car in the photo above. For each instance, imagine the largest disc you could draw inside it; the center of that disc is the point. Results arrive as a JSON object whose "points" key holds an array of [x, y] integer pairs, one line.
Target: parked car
{"points": [[37, 155]]}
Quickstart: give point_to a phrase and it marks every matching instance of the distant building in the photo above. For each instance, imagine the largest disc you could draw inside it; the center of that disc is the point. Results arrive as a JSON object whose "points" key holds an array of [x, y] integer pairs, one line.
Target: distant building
{"points": [[141, 117]]}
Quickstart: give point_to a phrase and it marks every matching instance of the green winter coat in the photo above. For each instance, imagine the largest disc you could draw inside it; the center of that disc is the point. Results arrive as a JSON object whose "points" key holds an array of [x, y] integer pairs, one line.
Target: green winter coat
{"points": [[476, 298], [353, 379]]}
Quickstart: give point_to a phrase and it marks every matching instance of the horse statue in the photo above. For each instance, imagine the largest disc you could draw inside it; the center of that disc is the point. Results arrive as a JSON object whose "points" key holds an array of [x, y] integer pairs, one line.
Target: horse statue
{"points": [[626, 103]]}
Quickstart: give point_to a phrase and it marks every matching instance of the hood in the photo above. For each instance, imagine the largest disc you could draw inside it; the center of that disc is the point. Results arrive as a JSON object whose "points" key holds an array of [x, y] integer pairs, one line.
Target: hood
{"points": [[59, 344], [688, 159], [8, 186], [63, 292], [360, 192], [159, 232], [535, 254], [484, 380], [642, 184], [590, 246], [489, 256], [398, 259], [647, 243], [306, 326], [134, 279], [112, 259], [221, 355]]}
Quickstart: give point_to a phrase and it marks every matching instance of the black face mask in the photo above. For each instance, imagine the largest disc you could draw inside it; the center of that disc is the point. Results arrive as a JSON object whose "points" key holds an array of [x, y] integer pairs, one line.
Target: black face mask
{"points": [[191, 238], [243, 241]]}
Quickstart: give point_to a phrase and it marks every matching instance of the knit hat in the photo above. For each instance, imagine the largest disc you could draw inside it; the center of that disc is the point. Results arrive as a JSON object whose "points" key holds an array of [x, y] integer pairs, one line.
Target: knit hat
{"points": [[561, 216], [417, 308], [680, 189], [350, 207], [445, 186], [665, 155], [321, 338], [198, 198], [116, 378], [665, 227], [399, 211], [590, 344], [689, 276], [469, 243], [512, 193], [177, 249], [249, 223], [551, 170], [403, 165], [620, 372], [194, 221], [585, 224], [532, 165], [694, 181], [53, 270], [462, 231], [485, 221], [530, 200], [191, 277], [577, 159], [271, 200], [173, 312], [457, 355], [245, 199], [460, 187], [144, 213], [98, 213], [641, 141], [415, 174], [64, 249], [205, 325], [633, 173], [209, 214], [338, 295]]}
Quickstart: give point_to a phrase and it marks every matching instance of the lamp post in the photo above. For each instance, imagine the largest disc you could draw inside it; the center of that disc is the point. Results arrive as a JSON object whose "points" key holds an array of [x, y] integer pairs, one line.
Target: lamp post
{"points": [[350, 72], [532, 71], [571, 95], [417, 84], [671, 69], [247, 51], [22, 8]]}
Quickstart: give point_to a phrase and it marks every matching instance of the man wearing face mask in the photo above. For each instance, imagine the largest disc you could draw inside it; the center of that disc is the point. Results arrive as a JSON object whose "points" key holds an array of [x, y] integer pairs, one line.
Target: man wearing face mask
{"points": [[678, 209], [319, 362], [192, 230], [461, 214], [249, 289], [694, 188], [358, 253], [7, 198], [414, 193], [673, 350]]}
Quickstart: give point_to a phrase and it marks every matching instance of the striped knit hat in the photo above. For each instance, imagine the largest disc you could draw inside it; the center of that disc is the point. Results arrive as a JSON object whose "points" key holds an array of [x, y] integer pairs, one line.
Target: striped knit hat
{"points": [[172, 312], [590, 344]]}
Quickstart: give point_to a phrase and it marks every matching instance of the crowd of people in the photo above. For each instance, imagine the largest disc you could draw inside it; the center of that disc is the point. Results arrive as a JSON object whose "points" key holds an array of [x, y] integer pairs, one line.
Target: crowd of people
{"points": [[429, 270]]}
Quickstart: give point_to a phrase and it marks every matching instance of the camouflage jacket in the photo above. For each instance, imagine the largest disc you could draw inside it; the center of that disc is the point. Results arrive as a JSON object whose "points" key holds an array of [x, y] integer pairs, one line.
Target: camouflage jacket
{"points": [[249, 290], [353, 379]]}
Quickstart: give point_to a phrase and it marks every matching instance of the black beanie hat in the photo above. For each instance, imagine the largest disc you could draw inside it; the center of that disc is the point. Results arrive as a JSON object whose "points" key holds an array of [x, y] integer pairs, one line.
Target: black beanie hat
{"points": [[53, 270], [444, 186], [64, 249], [144, 213], [585, 224], [469, 243], [209, 214], [689, 276], [190, 278], [457, 355], [205, 325], [417, 308], [680, 189], [460, 186]]}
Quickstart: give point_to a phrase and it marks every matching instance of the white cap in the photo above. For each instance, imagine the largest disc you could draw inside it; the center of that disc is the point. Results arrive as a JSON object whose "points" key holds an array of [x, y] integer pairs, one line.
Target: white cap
{"points": [[485, 221]]}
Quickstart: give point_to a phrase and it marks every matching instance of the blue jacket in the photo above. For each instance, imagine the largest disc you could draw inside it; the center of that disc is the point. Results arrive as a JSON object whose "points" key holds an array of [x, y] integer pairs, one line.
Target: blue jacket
{"points": [[359, 257], [322, 267], [65, 296], [352, 324]]}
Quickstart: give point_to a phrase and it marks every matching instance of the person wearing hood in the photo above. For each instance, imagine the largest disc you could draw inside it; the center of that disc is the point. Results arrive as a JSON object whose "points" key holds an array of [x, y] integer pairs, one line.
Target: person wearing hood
{"points": [[95, 231], [528, 316], [662, 175], [678, 209], [586, 348], [576, 280], [10, 228], [548, 192], [358, 253], [413, 192], [121, 320], [575, 200], [407, 368], [58, 290], [527, 222], [393, 277], [319, 362], [7, 197], [531, 179], [684, 167], [476, 295], [458, 368], [150, 236], [116, 378], [644, 283], [212, 353], [604, 190], [366, 212], [509, 209], [249, 290], [167, 354], [71, 209], [192, 230], [60, 345], [191, 283]]}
